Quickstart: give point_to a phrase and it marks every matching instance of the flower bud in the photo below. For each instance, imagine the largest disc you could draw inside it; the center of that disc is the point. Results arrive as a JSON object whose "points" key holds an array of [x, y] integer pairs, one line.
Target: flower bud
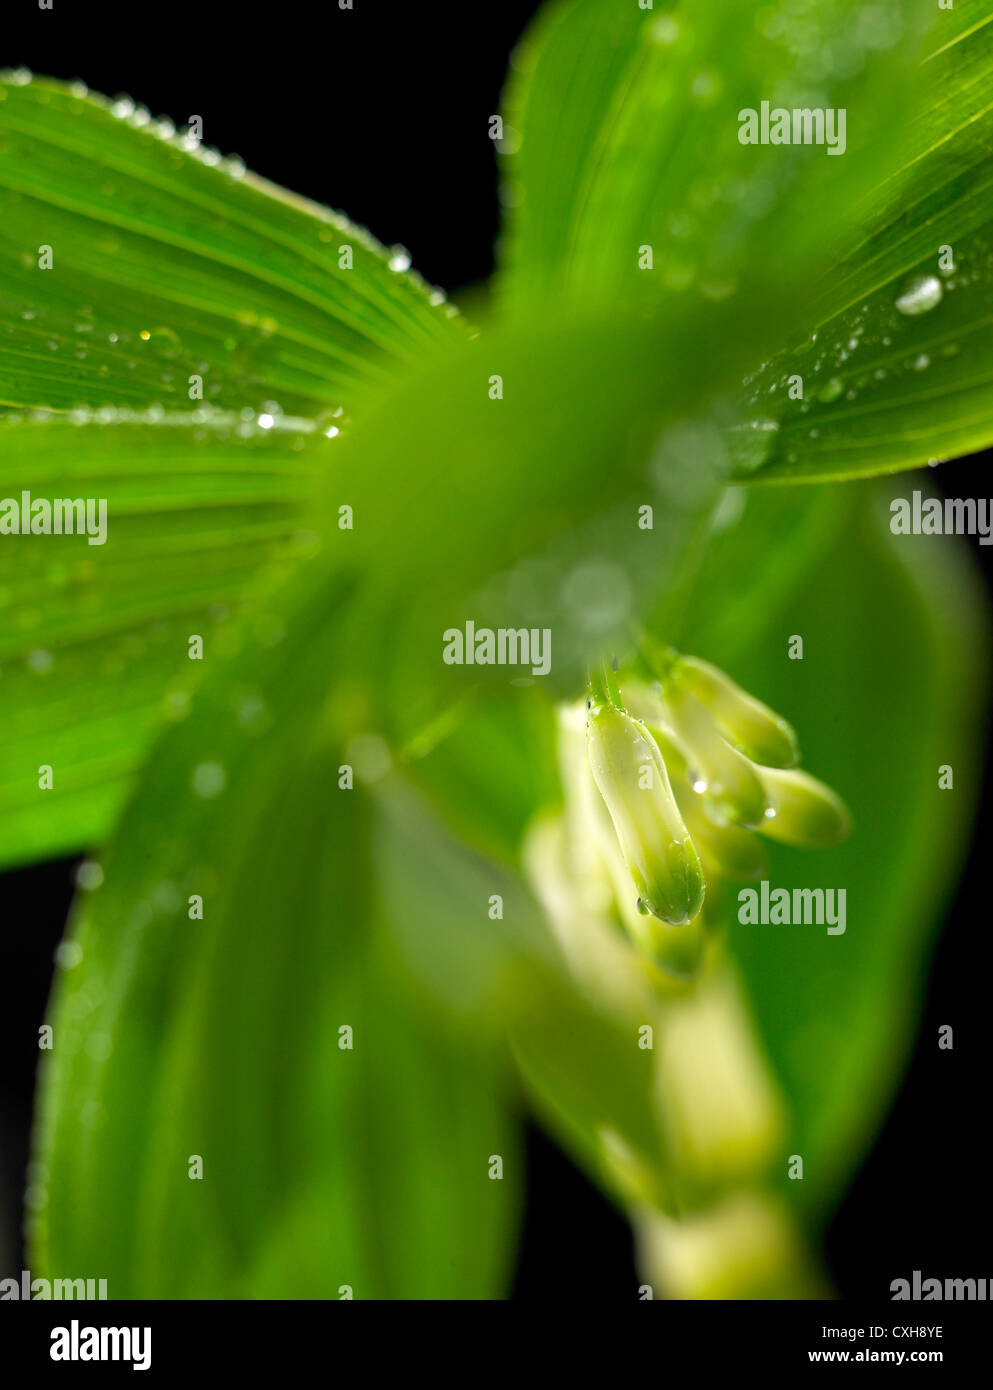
{"points": [[631, 776], [728, 781], [676, 949], [803, 811], [753, 728], [726, 851]]}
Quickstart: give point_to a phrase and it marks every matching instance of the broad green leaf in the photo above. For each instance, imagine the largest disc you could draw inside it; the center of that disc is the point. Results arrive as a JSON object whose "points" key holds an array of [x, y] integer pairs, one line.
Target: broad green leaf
{"points": [[323, 1166], [899, 369], [168, 262], [627, 122], [887, 382], [889, 690], [197, 511]]}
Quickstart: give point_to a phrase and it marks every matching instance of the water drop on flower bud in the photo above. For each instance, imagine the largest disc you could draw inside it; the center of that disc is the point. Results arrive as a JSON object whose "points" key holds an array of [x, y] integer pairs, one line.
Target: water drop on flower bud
{"points": [[753, 728], [631, 777], [804, 811], [732, 790]]}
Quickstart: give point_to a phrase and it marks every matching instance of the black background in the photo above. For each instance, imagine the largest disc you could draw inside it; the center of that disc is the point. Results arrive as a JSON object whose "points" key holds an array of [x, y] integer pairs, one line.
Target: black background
{"points": [[382, 112]]}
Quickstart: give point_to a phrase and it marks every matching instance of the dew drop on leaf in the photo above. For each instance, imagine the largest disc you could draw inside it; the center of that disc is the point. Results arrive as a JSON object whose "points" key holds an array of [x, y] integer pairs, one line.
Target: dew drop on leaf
{"points": [[920, 296]]}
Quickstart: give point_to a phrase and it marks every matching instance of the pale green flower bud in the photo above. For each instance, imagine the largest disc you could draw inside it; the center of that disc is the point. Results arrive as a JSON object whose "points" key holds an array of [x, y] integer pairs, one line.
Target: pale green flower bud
{"points": [[726, 851], [677, 949], [631, 777], [728, 781], [753, 728], [803, 811]]}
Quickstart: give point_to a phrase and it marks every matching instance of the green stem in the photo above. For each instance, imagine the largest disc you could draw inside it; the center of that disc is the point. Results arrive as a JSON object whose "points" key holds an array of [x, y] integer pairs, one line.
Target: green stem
{"points": [[602, 681]]}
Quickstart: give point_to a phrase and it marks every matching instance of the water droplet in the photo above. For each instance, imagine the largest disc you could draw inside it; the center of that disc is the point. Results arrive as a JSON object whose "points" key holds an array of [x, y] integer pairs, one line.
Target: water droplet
{"points": [[209, 779], [831, 391], [399, 259], [665, 30], [922, 363], [68, 954], [921, 295], [176, 705], [252, 712], [40, 661], [89, 876]]}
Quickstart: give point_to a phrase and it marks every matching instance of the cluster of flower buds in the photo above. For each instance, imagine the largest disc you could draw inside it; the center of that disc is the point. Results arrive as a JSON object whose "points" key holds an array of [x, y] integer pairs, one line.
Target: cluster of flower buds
{"points": [[689, 768]]}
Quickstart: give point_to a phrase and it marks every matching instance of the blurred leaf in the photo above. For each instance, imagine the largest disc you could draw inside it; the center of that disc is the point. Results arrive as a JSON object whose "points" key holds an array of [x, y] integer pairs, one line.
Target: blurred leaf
{"points": [[890, 688], [640, 150], [322, 1166], [760, 545], [169, 261], [487, 529]]}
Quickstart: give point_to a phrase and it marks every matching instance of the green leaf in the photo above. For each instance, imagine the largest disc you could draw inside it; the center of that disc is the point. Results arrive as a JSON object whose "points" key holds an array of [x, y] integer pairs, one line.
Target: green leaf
{"points": [[323, 1166], [639, 150], [608, 150], [169, 262], [901, 369], [199, 511], [890, 688]]}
